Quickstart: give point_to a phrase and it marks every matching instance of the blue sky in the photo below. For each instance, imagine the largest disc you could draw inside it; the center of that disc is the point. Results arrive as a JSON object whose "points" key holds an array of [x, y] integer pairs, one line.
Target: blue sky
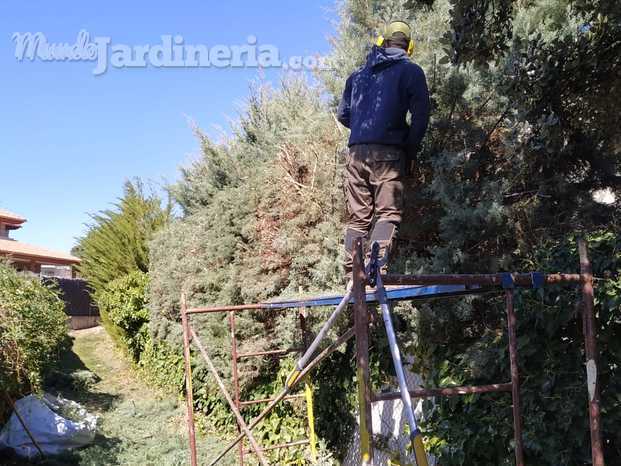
{"points": [[69, 139]]}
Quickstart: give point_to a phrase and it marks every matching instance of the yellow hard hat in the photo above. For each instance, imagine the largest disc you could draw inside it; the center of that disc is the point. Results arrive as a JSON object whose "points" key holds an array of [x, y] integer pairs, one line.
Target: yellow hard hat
{"points": [[394, 27]]}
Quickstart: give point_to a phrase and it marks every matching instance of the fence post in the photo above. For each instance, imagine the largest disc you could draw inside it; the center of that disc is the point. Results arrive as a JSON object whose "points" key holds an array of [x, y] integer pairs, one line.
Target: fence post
{"points": [[361, 327]]}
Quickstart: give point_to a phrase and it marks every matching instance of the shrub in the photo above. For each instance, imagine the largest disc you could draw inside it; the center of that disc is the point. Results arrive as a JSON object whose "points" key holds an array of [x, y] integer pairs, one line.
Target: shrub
{"points": [[33, 330], [123, 311]]}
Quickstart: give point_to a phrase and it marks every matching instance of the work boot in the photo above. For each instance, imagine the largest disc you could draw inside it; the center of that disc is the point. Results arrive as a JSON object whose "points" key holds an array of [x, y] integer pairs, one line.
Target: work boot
{"points": [[384, 233]]}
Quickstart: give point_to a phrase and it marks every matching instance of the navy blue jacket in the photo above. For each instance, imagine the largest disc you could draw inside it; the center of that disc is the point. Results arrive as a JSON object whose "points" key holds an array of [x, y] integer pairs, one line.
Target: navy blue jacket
{"points": [[378, 96]]}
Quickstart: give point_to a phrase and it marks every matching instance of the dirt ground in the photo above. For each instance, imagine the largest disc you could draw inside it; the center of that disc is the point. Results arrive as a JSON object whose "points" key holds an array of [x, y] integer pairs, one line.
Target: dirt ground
{"points": [[137, 425]]}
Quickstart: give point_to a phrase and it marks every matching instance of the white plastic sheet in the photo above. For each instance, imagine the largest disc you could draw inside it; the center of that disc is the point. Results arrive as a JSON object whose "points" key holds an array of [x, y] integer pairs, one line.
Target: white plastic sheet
{"points": [[56, 424], [389, 422]]}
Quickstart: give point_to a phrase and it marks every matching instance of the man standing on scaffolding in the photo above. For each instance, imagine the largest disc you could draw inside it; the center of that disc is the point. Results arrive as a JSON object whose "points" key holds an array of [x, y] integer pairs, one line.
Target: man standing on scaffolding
{"points": [[382, 146]]}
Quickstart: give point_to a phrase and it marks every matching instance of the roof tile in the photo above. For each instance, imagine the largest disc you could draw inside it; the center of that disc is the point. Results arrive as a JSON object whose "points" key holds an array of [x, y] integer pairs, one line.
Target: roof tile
{"points": [[12, 247], [11, 216]]}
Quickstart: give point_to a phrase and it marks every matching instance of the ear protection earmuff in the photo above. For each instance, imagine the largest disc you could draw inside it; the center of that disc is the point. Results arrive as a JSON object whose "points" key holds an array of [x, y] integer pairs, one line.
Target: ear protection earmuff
{"points": [[397, 26]]}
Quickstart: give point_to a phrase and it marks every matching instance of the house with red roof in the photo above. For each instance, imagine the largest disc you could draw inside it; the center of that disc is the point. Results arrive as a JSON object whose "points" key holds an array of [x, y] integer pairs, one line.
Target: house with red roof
{"points": [[51, 266], [27, 257]]}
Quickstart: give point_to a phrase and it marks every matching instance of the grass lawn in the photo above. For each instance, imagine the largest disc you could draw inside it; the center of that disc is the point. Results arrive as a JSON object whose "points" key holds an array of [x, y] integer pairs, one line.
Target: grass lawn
{"points": [[137, 425]]}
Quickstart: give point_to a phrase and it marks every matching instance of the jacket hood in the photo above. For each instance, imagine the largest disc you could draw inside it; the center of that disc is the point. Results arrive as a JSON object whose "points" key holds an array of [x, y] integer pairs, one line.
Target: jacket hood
{"points": [[380, 57]]}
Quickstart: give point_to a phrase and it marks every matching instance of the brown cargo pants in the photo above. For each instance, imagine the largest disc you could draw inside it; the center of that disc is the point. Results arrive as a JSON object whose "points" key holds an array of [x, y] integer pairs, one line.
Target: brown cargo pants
{"points": [[373, 194]]}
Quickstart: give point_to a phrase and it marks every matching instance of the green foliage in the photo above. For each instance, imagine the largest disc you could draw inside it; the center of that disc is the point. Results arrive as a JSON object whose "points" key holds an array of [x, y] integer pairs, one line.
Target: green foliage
{"points": [[262, 217], [123, 311], [125, 315], [522, 135], [115, 258], [523, 132], [162, 366], [287, 423], [272, 228], [33, 330], [461, 347], [117, 242]]}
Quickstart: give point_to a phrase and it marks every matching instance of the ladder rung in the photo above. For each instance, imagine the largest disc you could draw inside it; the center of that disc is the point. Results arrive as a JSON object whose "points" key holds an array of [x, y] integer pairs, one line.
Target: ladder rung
{"points": [[268, 400], [282, 445]]}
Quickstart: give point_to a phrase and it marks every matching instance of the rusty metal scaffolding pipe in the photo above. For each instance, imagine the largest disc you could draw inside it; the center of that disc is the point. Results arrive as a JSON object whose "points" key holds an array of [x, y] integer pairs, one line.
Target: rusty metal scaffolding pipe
{"points": [[240, 420], [363, 378], [271, 353], [188, 382], [282, 445], [234, 358], [310, 366], [494, 279], [589, 324], [268, 400], [211, 309], [515, 378], [447, 391], [585, 279]]}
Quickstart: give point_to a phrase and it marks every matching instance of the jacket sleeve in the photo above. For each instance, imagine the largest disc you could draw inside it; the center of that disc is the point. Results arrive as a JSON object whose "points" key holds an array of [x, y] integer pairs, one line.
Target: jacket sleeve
{"points": [[419, 108], [344, 111]]}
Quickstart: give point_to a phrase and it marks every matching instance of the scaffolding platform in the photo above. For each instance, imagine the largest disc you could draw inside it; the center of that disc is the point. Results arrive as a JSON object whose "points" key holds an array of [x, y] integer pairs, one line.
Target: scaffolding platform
{"points": [[396, 288], [394, 293]]}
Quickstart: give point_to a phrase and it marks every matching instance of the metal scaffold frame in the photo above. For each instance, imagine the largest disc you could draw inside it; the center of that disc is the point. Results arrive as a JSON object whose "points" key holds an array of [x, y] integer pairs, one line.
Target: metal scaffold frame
{"points": [[439, 286]]}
